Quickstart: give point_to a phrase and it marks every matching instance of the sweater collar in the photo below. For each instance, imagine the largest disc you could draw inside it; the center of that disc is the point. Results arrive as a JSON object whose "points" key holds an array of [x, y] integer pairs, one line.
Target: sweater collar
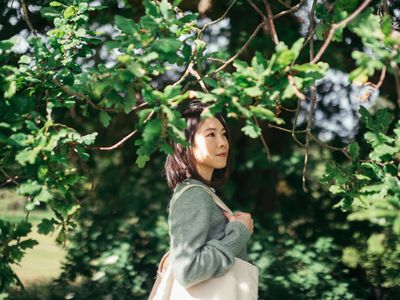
{"points": [[194, 181]]}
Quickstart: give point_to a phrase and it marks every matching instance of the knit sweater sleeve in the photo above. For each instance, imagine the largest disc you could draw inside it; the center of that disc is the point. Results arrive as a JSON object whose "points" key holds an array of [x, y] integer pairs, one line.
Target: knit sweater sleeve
{"points": [[194, 257]]}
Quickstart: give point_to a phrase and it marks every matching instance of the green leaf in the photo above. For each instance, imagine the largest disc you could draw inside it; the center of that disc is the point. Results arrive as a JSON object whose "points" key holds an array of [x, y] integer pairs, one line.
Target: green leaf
{"points": [[69, 12], [46, 226], [150, 8], [56, 4], [396, 225], [152, 130], [382, 150], [137, 69], [44, 195], [141, 160], [296, 47], [354, 150], [11, 89], [336, 189], [125, 25], [350, 257], [383, 119], [166, 9], [252, 130], [366, 118], [30, 243], [167, 149], [29, 188], [105, 118], [167, 45], [22, 229], [263, 113], [89, 138], [254, 91], [375, 244]]}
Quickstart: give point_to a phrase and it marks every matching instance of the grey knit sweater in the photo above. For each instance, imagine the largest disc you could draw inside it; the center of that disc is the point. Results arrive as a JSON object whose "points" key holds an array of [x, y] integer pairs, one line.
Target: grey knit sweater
{"points": [[202, 242]]}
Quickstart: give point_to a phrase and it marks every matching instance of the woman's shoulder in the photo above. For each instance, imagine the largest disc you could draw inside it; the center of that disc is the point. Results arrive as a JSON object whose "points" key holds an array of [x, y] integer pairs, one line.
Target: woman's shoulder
{"points": [[192, 184], [192, 192]]}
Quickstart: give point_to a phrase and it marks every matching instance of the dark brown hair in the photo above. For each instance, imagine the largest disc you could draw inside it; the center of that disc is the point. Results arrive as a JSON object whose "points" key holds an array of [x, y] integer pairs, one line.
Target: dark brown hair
{"points": [[181, 164]]}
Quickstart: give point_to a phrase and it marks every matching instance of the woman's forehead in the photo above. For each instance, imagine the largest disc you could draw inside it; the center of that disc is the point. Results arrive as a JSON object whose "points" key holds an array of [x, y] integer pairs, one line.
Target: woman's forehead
{"points": [[211, 123]]}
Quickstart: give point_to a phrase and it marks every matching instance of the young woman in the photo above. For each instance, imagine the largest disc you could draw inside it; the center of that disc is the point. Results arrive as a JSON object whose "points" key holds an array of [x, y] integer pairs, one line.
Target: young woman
{"points": [[204, 240]]}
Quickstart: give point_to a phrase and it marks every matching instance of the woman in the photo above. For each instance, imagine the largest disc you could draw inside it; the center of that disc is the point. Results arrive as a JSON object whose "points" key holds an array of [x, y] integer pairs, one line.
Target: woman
{"points": [[204, 239]]}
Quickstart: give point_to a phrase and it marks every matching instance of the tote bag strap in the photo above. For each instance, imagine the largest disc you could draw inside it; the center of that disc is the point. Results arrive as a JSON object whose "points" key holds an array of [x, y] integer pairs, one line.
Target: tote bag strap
{"points": [[216, 199]]}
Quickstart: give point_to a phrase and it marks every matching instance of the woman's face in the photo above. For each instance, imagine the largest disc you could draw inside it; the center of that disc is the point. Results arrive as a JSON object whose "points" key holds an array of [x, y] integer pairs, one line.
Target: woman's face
{"points": [[210, 147]]}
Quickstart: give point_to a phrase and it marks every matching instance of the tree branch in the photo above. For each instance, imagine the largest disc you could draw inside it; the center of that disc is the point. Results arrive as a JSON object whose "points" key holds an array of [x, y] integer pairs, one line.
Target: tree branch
{"points": [[335, 26], [10, 179], [343, 150], [81, 96], [297, 92], [200, 34], [396, 73], [118, 144], [257, 9], [198, 77], [296, 115], [267, 152], [291, 10], [270, 19], [239, 52], [25, 16], [285, 129]]}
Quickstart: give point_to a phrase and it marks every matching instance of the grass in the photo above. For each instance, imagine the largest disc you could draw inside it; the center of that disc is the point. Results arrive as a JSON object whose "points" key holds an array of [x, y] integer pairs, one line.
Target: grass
{"points": [[43, 262]]}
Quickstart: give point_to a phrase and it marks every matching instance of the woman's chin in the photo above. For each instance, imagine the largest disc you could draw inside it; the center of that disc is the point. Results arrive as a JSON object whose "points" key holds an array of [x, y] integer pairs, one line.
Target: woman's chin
{"points": [[220, 166]]}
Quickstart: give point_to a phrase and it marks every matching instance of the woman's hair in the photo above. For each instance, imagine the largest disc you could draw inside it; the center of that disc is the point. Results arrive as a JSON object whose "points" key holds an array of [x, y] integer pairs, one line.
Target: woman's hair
{"points": [[181, 164]]}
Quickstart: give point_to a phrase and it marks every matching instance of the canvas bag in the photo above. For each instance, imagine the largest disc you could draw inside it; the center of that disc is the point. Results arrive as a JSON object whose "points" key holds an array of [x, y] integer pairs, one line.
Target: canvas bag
{"points": [[239, 283]]}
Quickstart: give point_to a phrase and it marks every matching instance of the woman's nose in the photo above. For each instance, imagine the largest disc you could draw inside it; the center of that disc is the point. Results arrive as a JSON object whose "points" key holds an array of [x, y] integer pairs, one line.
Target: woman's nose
{"points": [[223, 142]]}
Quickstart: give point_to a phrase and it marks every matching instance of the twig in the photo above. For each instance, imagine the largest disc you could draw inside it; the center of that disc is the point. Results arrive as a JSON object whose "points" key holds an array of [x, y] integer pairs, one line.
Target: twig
{"points": [[10, 179], [25, 16], [189, 69], [198, 77], [321, 143], [311, 29], [310, 113], [396, 73], [215, 21], [267, 152], [291, 10], [296, 115], [79, 95], [287, 109], [285, 129], [376, 86], [118, 144], [215, 59], [297, 92], [284, 4], [185, 74], [239, 52], [335, 26], [270, 19], [308, 133], [257, 9]]}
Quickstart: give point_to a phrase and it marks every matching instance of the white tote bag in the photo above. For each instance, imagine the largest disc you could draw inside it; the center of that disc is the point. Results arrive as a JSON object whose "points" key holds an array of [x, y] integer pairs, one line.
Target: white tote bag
{"points": [[239, 283]]}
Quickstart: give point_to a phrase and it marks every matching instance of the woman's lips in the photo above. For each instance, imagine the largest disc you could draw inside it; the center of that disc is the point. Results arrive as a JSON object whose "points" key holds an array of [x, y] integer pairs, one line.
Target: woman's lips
{"points": [[222, 154]]}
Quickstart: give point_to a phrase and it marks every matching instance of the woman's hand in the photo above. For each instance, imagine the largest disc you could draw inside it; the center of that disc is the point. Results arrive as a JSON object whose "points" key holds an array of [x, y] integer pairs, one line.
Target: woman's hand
{"points": [[242, 217]]}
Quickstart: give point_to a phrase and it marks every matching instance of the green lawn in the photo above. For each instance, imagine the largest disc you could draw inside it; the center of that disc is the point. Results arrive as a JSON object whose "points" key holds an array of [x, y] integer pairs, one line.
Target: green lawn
{"points": [[43, 262]]}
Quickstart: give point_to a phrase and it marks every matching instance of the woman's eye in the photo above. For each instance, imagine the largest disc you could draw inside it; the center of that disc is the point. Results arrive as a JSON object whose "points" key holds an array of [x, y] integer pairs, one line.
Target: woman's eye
{"points": [[211, 134]]}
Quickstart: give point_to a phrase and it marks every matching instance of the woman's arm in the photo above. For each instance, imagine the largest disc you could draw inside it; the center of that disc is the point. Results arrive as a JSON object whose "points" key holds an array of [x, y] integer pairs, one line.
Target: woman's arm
{"points": [[194, 258]]}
